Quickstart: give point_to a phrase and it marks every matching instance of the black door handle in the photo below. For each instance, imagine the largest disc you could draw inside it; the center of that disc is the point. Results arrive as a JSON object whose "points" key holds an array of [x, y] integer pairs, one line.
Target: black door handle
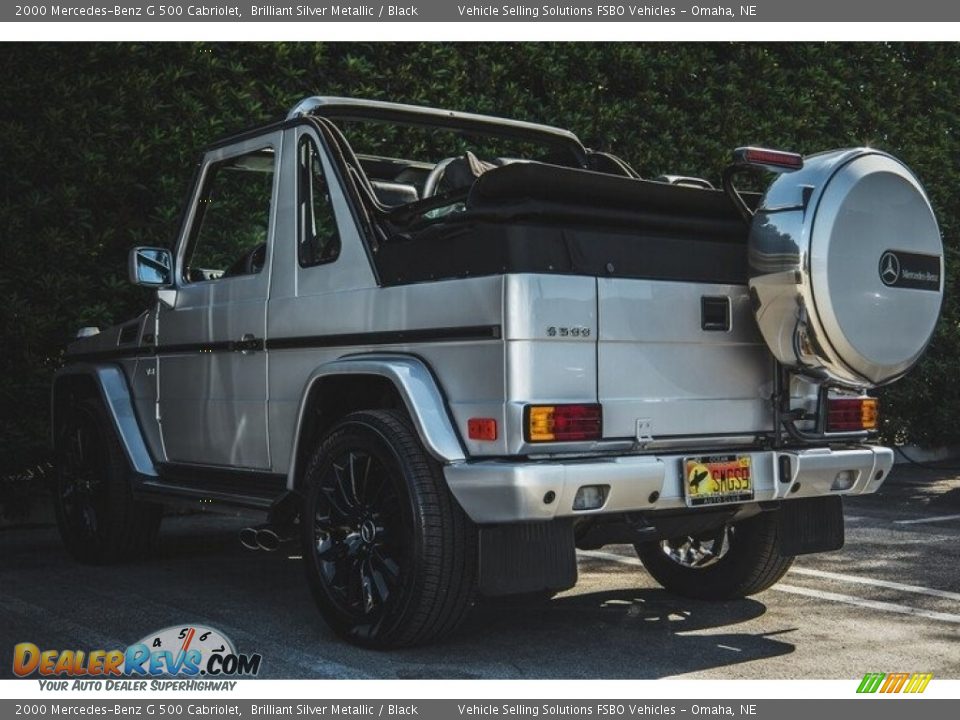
{"points": [[248, 343]]}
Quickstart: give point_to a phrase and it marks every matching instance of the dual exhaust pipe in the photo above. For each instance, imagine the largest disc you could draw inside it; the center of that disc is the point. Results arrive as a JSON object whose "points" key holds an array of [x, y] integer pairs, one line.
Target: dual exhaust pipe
{"points": [[263, 537]]}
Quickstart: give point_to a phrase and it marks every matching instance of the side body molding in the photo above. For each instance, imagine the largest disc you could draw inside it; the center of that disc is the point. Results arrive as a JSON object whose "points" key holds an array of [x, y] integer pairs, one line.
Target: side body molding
{"points": [[417, 387], [115, 393]]}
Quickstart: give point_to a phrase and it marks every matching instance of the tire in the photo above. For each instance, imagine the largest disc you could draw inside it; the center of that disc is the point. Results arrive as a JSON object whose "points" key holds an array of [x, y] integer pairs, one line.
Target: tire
{"points": [[98, 519], [390, 556], [752, 563]]}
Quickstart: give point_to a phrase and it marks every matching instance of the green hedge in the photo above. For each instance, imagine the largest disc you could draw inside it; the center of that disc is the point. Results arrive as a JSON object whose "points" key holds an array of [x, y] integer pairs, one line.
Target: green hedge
{"points": [[98, 143]]}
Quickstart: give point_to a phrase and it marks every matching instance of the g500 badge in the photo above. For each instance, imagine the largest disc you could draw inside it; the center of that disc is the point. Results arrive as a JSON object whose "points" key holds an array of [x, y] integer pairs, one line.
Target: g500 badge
{"points": [[577, 331], [910, 270]]}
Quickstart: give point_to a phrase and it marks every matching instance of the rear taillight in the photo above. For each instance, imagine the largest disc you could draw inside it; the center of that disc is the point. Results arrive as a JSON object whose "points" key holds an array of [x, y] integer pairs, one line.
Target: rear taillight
{"points": [[562, 423], [851, 414]]}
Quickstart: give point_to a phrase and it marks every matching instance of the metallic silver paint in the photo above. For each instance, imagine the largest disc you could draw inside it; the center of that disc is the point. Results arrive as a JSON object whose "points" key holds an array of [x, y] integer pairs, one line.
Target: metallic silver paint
{"points": [[115, 393], [815, 245], [655, 362], [417, 388], [503, 492], [213, 405]]}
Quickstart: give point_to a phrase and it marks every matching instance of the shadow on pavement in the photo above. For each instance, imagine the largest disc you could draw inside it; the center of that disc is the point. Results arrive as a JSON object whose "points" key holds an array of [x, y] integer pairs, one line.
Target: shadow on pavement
{"points": [[200, 574]]}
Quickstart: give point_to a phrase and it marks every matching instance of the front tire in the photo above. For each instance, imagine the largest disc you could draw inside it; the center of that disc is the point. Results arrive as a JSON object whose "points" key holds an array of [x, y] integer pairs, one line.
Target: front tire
{"points": [[733, 562], [389, 554], [98, 518]]}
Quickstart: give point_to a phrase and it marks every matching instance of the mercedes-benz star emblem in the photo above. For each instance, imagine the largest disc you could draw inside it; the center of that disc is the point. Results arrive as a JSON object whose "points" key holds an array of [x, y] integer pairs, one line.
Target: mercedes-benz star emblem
{"points": [[368, 531], [889, 268]]}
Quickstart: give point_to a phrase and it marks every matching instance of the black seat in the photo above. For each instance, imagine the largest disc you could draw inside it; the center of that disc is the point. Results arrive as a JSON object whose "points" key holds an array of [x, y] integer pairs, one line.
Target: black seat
{"points": [[394, 194]]}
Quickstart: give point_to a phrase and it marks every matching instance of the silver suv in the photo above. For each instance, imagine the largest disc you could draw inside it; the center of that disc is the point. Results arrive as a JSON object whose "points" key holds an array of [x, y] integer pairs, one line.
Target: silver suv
{"points": [[445, 350]]}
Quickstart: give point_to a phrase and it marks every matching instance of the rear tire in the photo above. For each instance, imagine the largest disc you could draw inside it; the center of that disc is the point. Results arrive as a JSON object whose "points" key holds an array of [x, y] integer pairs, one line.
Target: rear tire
{"points": [[390, 556], [750, 564], [98, 518]]}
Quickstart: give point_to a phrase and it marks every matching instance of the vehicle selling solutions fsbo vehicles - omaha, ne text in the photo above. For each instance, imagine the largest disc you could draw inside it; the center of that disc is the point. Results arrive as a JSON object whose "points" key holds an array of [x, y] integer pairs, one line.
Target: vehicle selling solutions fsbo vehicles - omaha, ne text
{"points": [[445, 350]]}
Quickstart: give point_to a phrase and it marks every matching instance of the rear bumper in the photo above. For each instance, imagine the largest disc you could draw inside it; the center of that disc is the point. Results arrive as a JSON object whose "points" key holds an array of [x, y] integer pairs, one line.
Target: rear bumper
{"points": [[504, 492]]}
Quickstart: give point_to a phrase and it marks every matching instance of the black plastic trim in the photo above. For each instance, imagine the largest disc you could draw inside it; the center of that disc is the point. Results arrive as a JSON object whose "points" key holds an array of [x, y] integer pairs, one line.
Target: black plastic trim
{"points": [[387, 337], [390, 337], [251, 483]]}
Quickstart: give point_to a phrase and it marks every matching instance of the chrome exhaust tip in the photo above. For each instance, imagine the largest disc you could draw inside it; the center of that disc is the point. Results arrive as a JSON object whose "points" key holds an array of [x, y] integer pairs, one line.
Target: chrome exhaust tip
{"points": [[267, 539], [248, 538]]}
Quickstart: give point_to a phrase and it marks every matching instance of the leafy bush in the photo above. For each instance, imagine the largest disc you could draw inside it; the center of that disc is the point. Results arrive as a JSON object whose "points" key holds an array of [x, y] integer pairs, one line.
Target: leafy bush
{"points": [[99, 142]]}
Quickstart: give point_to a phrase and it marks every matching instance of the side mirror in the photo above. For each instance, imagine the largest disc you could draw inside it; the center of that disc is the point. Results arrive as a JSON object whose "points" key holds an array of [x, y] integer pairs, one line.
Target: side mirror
{"points": [[151, 267]]}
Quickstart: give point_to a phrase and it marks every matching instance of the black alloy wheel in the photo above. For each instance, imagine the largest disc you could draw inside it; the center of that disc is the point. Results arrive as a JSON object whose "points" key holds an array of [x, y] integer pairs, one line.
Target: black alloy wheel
{"points": [[359, 528], [81, 485], [98, 518], [389, 554]]}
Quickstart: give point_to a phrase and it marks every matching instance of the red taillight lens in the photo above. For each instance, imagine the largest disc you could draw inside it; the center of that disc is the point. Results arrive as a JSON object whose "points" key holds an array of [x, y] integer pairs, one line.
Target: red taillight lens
{"points": [[771, 159], [851, 414], [563, 423]]}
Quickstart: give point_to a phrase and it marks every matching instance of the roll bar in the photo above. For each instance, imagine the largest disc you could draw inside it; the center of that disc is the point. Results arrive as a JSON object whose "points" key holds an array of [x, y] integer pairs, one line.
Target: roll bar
{"points": [[358, 109]]}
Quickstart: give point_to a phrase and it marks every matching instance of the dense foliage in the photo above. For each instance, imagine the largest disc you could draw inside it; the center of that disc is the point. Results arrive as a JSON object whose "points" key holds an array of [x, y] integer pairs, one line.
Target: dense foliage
{"points": [[99, 142]]}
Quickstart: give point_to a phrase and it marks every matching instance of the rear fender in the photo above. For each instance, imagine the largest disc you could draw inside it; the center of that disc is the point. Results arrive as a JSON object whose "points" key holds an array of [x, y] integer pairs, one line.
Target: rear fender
{"points": [[417, 388]]}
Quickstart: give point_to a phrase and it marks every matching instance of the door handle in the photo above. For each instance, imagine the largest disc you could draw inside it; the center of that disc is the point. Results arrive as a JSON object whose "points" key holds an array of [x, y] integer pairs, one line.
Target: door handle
{"points": [[248, 344]]}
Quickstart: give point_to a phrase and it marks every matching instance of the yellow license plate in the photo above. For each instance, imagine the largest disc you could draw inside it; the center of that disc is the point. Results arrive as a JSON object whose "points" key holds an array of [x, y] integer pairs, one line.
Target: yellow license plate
{"points": [[717, 479]]}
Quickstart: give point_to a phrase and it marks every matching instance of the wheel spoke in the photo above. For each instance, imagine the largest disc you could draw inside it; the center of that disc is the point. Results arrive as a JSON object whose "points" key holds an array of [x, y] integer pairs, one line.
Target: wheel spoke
{"points": [[367, 588], [352, 486], [385, 567], [81, 482], [344, 488], [336, 505], [89, 519], [363, 487], [383, 587]]}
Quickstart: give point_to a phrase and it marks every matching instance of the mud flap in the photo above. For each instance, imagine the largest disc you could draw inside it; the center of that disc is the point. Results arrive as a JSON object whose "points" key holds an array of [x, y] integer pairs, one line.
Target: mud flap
{"points": [[810, 525], [527, 557]]}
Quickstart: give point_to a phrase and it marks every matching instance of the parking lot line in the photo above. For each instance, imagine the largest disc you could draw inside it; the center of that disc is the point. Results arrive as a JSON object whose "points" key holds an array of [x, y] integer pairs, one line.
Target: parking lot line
{"points": [[841, 577], [612, 557], [864, 602], [919, 521]]}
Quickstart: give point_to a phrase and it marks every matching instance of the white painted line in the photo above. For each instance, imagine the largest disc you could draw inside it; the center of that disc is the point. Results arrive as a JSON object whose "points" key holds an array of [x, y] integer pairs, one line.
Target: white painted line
{"points": [[872, 604], [727, 647], [932, 592], [919, 521], [613, 557]]}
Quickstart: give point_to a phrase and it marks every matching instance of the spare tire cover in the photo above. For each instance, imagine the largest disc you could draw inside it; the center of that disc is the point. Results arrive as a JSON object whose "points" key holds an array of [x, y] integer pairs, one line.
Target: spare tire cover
{"points": [[847, 267]]}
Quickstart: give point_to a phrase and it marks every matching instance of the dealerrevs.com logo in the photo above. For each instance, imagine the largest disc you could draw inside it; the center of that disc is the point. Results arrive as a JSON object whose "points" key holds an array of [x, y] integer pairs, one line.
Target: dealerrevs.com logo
{"points": [[179, 651]]}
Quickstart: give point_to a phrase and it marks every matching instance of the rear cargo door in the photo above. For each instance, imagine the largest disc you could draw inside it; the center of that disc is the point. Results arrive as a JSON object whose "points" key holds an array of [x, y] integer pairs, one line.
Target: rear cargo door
{"points": [[680, 359]]}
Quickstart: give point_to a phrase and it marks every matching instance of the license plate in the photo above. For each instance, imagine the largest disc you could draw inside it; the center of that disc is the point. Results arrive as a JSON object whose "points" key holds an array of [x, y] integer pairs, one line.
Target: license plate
{"points": [[717, 479]]}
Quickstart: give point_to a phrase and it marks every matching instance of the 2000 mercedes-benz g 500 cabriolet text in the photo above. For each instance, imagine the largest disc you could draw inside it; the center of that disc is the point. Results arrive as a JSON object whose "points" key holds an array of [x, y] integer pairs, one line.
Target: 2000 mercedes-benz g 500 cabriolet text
{"points": [[445, 350]]}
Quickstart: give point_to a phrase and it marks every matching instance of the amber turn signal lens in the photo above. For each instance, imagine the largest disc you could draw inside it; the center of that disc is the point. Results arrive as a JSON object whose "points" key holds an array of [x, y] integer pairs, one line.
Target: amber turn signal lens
{"points": [[563, 423]]}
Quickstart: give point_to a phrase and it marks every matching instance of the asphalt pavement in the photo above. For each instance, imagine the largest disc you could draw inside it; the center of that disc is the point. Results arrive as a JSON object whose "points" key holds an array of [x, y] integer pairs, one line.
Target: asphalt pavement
{"points": [[888, 602]]}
